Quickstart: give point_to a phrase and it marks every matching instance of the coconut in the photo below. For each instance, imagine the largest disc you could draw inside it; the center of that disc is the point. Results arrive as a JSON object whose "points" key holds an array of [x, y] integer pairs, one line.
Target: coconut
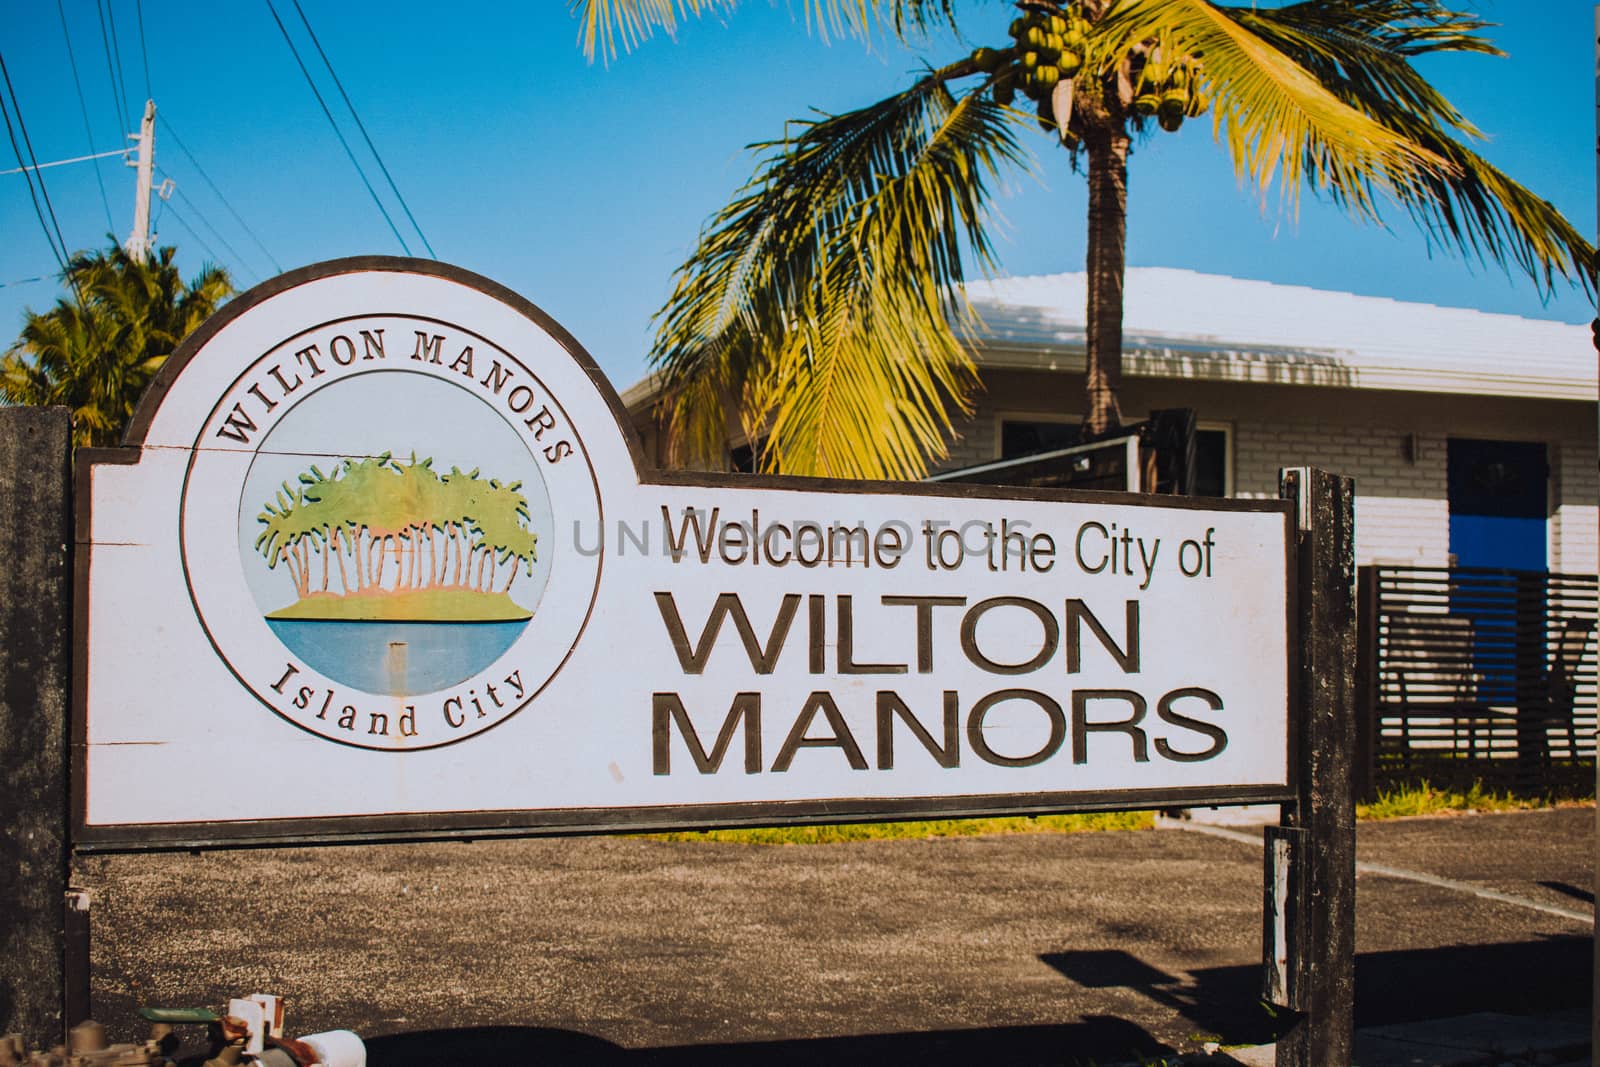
{"points": [[1047, 117]]}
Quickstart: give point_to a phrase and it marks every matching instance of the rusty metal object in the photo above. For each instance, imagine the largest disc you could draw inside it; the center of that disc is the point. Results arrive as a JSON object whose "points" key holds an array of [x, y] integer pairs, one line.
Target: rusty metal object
{"points": [[88, 1048], [88, 1036], [253, 1040], [302, 1054], [229, 1055]]}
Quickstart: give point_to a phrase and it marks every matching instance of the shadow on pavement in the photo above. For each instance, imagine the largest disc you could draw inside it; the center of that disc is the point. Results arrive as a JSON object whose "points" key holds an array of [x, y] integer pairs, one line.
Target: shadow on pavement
{"points": [[1570, 890], [1224, 1002], [1528, 977], [1095, 1039], [1517, 978], [1553, 973]]}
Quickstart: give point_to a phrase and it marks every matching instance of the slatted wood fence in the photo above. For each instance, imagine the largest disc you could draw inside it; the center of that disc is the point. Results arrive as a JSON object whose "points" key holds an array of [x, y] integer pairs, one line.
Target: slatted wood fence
{"points": [[1471, 674]]}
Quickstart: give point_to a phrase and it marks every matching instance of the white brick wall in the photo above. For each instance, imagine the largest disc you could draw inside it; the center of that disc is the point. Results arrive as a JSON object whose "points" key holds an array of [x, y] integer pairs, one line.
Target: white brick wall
{"points": [[977, 441], [1402, 515], [1575, 525]]}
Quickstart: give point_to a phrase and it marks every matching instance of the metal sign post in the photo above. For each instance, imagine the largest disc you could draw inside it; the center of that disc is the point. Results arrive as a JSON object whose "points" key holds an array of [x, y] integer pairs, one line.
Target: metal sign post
{"points": [[1311, 859], [36, 636]]}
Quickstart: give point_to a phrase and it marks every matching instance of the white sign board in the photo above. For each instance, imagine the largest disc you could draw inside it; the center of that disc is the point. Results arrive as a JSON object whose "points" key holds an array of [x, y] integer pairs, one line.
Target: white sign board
{"points": [[383, 554]]}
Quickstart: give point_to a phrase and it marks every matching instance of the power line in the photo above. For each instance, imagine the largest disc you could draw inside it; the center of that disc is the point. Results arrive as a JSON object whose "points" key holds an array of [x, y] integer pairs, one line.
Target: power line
{"points": [[212, 252], [33, 194], [138, 7], [83, 108], [362, 127], [200, 215], [329, 115], [116, 49], [118, 102], [161, 118], [63, 162], [61, 251]]}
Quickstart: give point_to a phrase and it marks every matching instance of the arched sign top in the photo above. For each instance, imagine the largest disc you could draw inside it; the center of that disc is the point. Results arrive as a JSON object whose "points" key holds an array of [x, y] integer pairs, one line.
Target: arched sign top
{"points": [[383, 526], [457, 292]]}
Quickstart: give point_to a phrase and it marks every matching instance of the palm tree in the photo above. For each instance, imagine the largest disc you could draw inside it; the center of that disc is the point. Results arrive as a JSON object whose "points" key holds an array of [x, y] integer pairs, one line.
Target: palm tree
{"points": [[98, 348], [824, 305]]}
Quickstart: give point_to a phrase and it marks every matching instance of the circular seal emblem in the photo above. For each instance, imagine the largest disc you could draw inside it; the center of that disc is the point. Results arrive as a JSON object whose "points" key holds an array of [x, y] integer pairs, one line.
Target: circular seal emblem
{"points": [[369, 522]]}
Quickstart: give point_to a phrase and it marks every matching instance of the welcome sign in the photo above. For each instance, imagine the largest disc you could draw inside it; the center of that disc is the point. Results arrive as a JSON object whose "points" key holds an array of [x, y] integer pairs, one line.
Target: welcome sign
{"points": [[382, 557]]}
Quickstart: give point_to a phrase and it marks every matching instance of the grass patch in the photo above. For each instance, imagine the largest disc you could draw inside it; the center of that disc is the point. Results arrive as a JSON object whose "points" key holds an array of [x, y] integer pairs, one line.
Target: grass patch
{"points": [[903, 831], [1423, 799]]}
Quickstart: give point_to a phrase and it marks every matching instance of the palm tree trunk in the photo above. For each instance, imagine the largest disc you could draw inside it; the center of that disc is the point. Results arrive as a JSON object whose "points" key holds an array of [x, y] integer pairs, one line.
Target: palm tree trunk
{"points": [[1107, 263], [338, 554]]}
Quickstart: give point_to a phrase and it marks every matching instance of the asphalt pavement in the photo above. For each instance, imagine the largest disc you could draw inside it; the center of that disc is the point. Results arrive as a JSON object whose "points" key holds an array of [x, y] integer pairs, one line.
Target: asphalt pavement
{"points": [[1022, 949]]}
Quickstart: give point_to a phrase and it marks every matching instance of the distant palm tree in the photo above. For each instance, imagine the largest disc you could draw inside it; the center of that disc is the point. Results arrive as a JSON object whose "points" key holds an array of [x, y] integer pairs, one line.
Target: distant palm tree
{"points": [[98, 348], [824, 305]]}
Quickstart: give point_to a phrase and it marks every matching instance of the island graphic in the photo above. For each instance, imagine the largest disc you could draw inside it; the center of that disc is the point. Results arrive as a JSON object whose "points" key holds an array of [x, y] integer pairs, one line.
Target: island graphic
{"points": [[396, 534], [378, 539]]}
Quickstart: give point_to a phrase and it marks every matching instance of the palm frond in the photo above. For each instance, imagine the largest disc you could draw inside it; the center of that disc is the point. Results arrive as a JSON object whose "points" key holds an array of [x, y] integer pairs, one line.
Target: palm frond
{"points": [[916, 18], [1358, 49], [1278, 122], [604, 25], [1362, 49], [820, 302]]}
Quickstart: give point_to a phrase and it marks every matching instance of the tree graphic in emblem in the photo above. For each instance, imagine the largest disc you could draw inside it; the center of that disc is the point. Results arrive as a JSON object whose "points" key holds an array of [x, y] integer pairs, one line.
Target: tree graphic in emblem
{"points": [[384, 539]]}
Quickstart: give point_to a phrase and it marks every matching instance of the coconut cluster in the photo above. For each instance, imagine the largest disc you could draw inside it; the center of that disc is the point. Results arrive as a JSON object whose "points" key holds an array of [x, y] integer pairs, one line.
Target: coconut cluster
{"points": [[1049, 48], [1170, 90]]}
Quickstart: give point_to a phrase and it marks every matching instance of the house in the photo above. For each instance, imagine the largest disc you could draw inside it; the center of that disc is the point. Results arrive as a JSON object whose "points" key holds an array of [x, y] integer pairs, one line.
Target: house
{"points": [[1471, 436]]}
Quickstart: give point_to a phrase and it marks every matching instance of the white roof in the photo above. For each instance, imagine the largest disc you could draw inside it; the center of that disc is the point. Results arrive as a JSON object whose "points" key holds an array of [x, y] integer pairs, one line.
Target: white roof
{"points": [[1183, 324]]}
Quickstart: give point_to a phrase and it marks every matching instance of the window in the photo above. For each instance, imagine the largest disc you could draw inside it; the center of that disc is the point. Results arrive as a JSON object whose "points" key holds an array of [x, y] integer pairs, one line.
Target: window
{"points": [[1027, 435], [1213, 460]]}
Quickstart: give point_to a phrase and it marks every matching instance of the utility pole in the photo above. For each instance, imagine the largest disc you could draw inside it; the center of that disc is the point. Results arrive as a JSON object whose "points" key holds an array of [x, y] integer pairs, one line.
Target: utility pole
{"points": [[138, 244]]}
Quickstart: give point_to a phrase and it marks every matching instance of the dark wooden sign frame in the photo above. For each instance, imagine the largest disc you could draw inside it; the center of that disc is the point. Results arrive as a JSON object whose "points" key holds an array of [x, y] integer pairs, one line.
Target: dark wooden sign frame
{"points": [[1309, 891]]}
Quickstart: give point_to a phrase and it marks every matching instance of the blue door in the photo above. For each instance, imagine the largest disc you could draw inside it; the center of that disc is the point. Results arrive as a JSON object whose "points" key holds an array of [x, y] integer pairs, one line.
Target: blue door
{"points": [[1499, 504]]}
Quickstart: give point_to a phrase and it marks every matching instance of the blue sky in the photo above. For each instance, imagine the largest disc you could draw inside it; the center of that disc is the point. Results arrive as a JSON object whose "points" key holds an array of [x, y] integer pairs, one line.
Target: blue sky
{"points": [[583, 186]]}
